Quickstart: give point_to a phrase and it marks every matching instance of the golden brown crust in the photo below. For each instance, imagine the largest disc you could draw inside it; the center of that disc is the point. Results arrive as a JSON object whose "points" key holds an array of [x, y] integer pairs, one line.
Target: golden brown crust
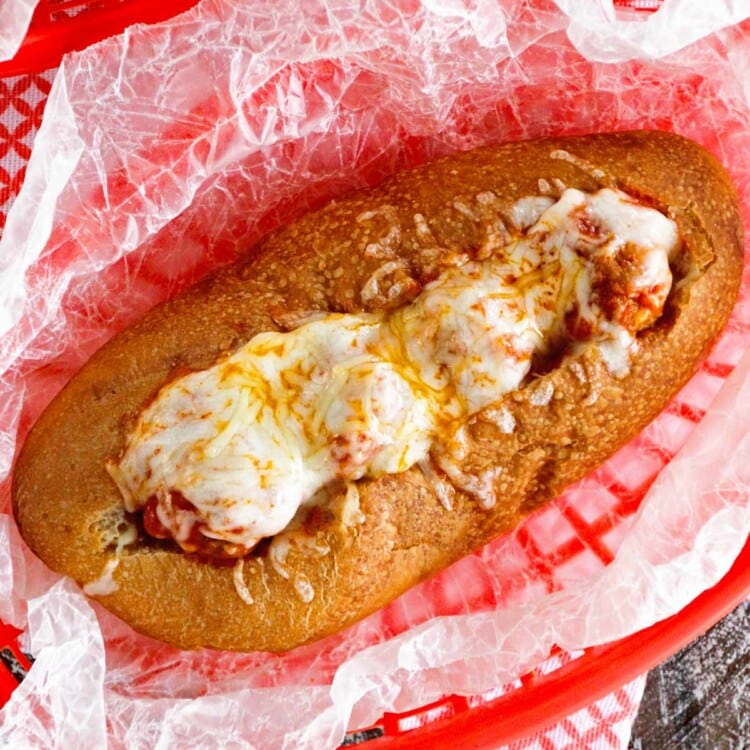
{"points": [[63, 498]]}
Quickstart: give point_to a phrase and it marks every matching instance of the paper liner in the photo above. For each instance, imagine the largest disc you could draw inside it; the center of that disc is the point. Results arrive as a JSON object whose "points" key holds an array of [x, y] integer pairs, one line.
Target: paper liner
{"points": [[169, 150], [15, 17]]}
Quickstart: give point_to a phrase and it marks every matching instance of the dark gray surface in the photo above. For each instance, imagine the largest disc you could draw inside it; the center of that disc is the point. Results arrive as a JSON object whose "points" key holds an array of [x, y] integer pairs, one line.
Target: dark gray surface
{"points": [[700, 698]]}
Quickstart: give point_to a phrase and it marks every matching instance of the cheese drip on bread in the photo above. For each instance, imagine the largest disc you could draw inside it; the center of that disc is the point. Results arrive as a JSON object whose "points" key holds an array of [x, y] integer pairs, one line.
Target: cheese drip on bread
{"points": [[228, 455]]}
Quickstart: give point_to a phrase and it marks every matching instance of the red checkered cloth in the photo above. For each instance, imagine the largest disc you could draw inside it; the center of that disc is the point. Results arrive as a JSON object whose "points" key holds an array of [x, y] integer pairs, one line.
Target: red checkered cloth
{"points": [[22, 100], [604, 725]]}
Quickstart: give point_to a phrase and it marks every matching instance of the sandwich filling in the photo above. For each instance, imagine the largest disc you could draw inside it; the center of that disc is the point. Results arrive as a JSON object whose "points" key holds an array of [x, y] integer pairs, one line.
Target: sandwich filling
{"points": [[226, 457]]}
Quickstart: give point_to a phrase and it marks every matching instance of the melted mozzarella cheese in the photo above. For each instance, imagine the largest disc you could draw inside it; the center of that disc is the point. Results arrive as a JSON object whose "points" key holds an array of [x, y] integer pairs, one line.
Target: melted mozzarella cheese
{"points": [[250, 440]]}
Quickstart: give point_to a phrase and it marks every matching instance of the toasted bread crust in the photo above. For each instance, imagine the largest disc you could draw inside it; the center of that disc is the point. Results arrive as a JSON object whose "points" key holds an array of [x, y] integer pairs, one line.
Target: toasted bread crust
{"points": [[63, 498]]}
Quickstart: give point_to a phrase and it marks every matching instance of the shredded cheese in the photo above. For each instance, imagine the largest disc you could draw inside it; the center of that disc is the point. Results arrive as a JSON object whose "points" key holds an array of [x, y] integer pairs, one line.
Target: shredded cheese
{"points": [[542, 394], [250, 441], [444, 490], [351, 514], [105, 584], [304, 588], [502, 418], [239, 582]]}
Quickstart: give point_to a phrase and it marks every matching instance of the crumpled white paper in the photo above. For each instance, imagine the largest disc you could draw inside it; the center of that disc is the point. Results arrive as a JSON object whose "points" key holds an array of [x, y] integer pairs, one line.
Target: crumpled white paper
{"points": [[15, 17], [170, 149], [599, 34]]}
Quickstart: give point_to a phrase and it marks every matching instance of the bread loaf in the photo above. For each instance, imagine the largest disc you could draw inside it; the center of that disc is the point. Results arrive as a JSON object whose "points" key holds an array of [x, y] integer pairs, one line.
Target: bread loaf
{"points": [[372, 534]]}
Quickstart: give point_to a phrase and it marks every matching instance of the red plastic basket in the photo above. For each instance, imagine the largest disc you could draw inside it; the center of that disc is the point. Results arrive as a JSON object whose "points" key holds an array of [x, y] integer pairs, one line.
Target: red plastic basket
{"points": [[60, 26], [540, 701], [541, 698]]}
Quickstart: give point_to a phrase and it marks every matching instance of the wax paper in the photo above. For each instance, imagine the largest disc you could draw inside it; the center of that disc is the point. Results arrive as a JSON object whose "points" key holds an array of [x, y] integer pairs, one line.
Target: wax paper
{"points": [[170, 149], [15, 17]]}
